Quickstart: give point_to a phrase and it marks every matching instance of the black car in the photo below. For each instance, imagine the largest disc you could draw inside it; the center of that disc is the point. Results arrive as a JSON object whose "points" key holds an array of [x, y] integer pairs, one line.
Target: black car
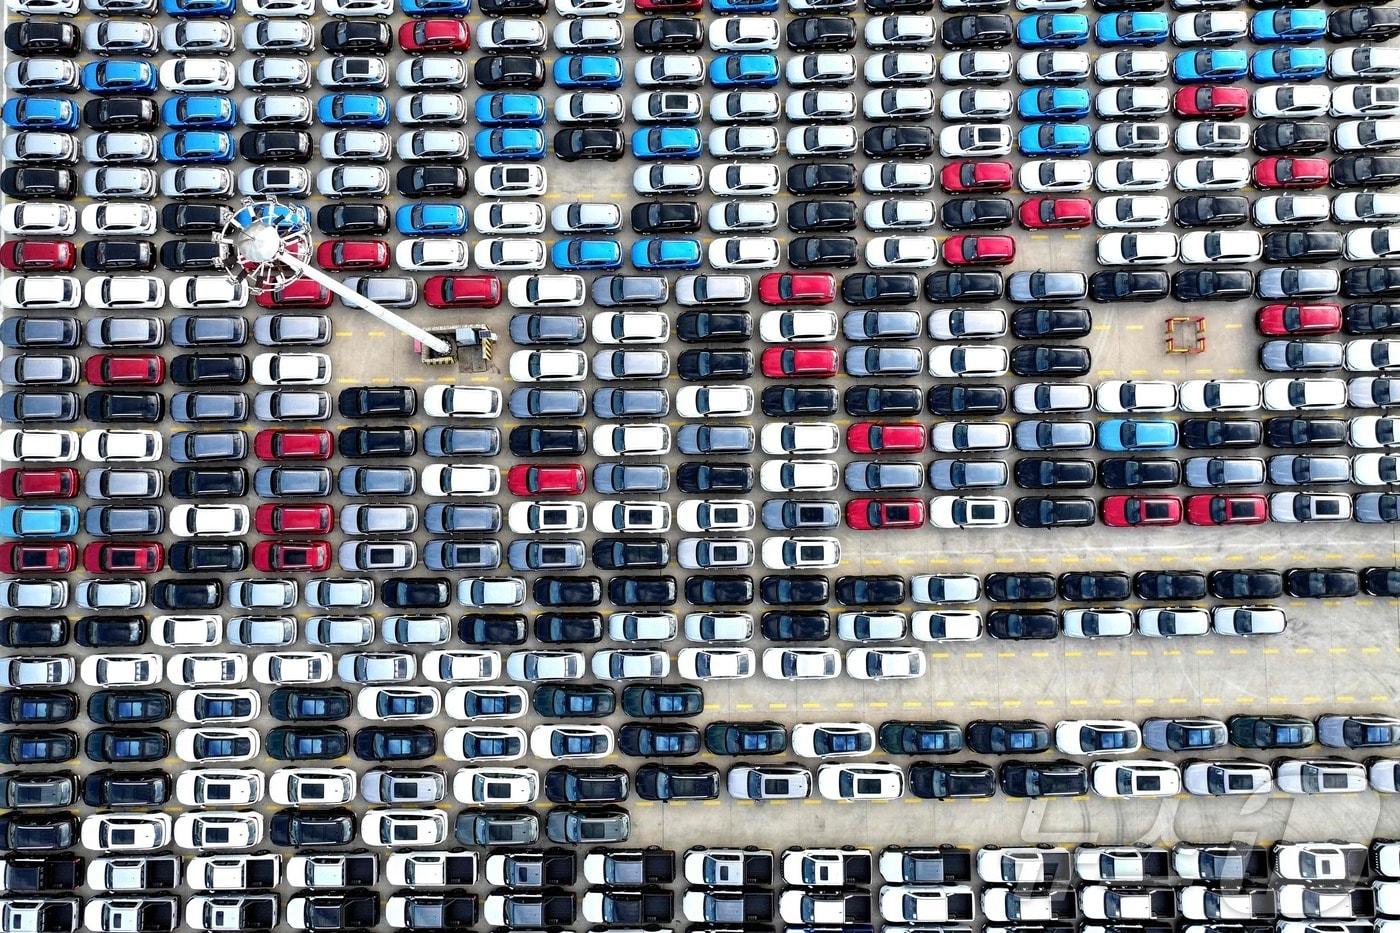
{"points": [[668, 34], [636, 553], [833, 215], [719, 590], [1371, 281], [658, 740], [666, 217], [57, 872], [872, 400], [1211, 210], [695, 477], [486, 628], [1363, 24], [821, 178], [32, 181], [187, 595], [1321, 582], [677, 782], [719, 326], [560, 441], [353, 220], [126, 745], [33, 631], [1302, 246], [1355, 171], [1059, 778], [1212, 284], [357, 37], [208, 483], [1019, 587], [602, 784], [207, 556], [432, 181], [355, 909], [309, 704], [189, 255], [574, 144], [867, 288], [1381, 581], [953, 780], [1007, 736], [121, 113], [1053, 473], [193, 218], [134, 407], [976, 213], [110, 631], [117, 255], [377, 402], [778, 401], [195, 370], [1032, 323], [1271, 732], [903, 737], [977, 287], [568, 591], [795, 589], [1168, 585], [1124, 285], [821, 34], [1245, 584], [568, 628], [714, 365], [1371, 318], [871, 590], [508, 72], [976, 31], [38, 707], [36, 37], [1050, 360], [1091, 586], [415, 592], [322, 743], [823, 252], [1291, 137], [1022, 624], [362, 443], [653, 591], [574, 701], [1139, 472], [262, 146], [1199, 433], [1305, 432], [395, 743]]}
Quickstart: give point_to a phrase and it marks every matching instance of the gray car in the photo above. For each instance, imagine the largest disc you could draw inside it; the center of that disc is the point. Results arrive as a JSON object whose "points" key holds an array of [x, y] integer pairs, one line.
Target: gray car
{"points": [[1296, 282], [967, 474], [1376, 507], [104, 521], [1024, 287], [441, 441], [204, 446], [631, 364], [378, 519], [291, 405], [548, 403], [377, 555], [282, 330], [114, 483], [528, 330], [712, 289], [208, 330], [883, 475], [884, 361], [631, 403], [797, 514], [1205, 472], [1282, 356], [564, 554], [21, 407], [1304, 469], [29, 369], [401, 786], [197, 407], [611, 291], [1191, 734], [441, 554], [277, 482], [715, 439], [1040, 434], [391, 291], [377, 481], [20, 332], [110, 332], [617, 478], [443, 518], [881, 325]]}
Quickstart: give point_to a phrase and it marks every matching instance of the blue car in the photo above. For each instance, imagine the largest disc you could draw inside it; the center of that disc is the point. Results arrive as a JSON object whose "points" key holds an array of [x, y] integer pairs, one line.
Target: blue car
{"points": [[436, 7], [189, 9], [434, 219], [1052, 31], [182, 147], [502, 109], [39, 521], [744, 6], [1053, 103], [353, 110], [1302, 64], [1122, 434], [1143, 28], [40, 113], [119, 76], [748, 69], [662, 252], [1287, 25], [1043, 139], [210, 112], [667, 142], [1210, 66], [507, 143], [588, 71], [586, 253]]}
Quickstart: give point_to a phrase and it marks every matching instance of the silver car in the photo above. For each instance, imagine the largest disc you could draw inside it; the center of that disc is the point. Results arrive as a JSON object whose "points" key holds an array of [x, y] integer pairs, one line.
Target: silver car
{"points": [[883, 475], [1206, 472]]}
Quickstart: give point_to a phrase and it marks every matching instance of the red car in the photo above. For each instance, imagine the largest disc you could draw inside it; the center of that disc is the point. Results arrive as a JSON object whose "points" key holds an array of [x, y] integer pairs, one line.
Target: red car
{"points": [[1281, 320], [303, 293], [967, 249], [976, 175], [1130, 511], [317, 518], [1227, 510], [435, 35], [1211, 102], [111, 369], [800, 362], [1287, 172], [38, 558], [527, 479], [279, 556], [1056, 213], [353, 255], [870, 437], [879, 514], [123, 557], [58, 483], [38, 255], [797, 288], [462, 291], [279, 444]]}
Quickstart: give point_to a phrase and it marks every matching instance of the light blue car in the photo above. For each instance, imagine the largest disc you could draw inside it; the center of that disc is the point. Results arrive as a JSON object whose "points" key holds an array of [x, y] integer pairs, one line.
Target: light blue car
{"points": [[661, 252], [1126, 434], [1288, 25], [586, 253], [1054, 139], [1052, 31], [1146, 27], [506, 109], [655, 143], [39, 521]]}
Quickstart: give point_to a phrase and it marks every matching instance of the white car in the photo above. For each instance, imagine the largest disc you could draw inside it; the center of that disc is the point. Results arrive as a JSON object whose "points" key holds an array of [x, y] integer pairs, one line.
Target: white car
{"points": [[510, 181], [1369, 243], [894, 663], [1248, 620], [790, 553], [1280, 210], [1201, 395], [901, 252], [705, 515], [218, 829], [800, 437], [899, 214], [1292, 101], [831, 739], [897, 177], [548, 365], [1367, 135], [1125, 212], [1143, 66], [38, 219], [496, 786], [747, 214], [1211, 174], [799, 475], [455, 401], [717, 401], [207, 520], [1363, 100], [745, 106], [742, 179], [837, 781], [1120, 395], [801, 663], [1351, 207], [915, 103], [820, 68], [969, 512], [1172, 621], [461, 666], [621, 440], [1132, 136], [899, 68], [974, 139], [980, 67], [1046, 176], [1138, 249], [1372, 355], [612, 516], [1203, 247], [1096, 623], [745, 252], [1113, 103], [946, 625], [1366, 63], [900, 31], [573, 741], [1132, 175], [954, 106], [1138, 778], [1304, 394], [743, 33], [291, 369], [952, 361], [715, 663], [127, 832], [404, 827], [461, 479]]}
